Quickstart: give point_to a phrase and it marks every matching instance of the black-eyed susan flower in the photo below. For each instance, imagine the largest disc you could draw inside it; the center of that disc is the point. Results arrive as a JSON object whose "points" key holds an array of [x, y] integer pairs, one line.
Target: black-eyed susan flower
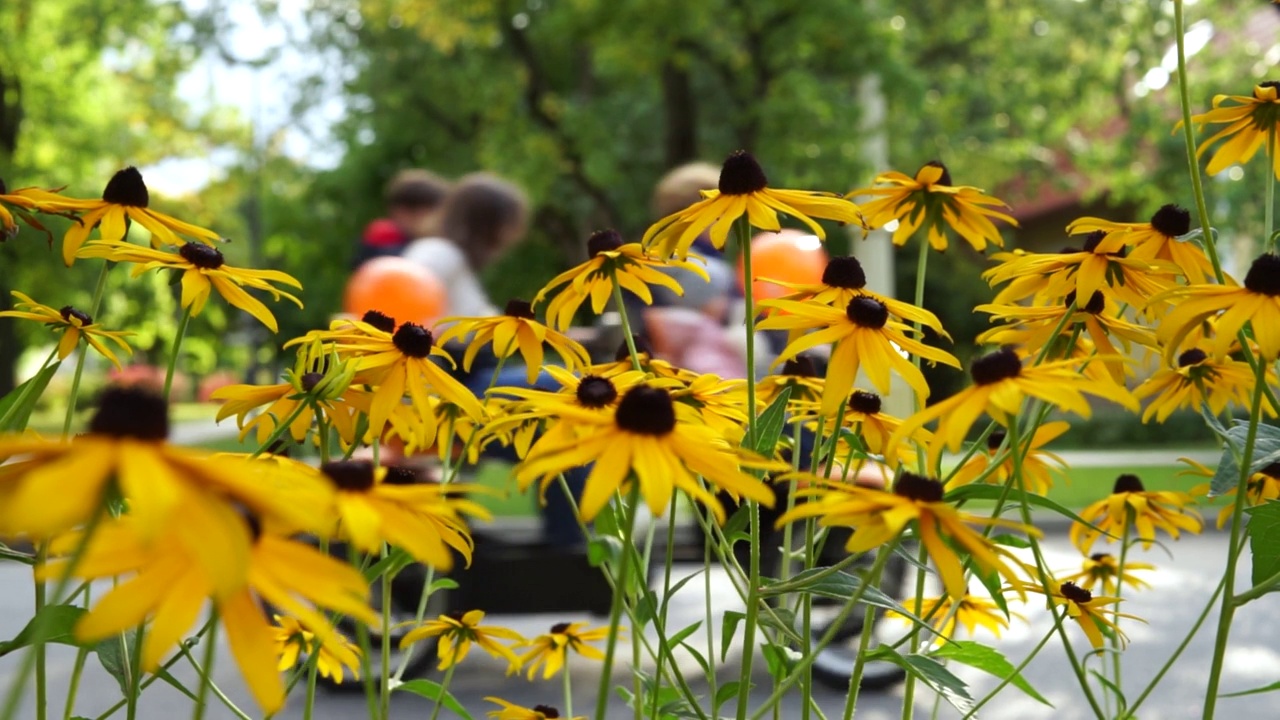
{"points": [[720, 403], [1102, 570], [1000, 383], [549, 651], [21, 203], [971, 611], [1251, 121], [650, 439], [879, 516], [1038, 465], [649, 363], [203, 270], [516, 330], [54, 486], [929, 200], [798, 374], [609, 257], [865, 417], [1262, 486], [1257, 303], [171, 590], [511, 711], [425, 519], [1156, 240], [73, 324], [744, 190], [456, 633], [125, 199], [865, 337], [1132, 508], [1200, 379], [332, 661], [1091, 612]]}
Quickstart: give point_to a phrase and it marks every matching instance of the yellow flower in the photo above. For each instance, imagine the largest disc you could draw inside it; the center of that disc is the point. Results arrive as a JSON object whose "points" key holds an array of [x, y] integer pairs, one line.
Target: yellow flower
{"points": [[1200, 379], [318, 381], [125, 198], [864, 416], [929, 199], [1257, 303], [516, 329], [550, 651], [1263, 486], [970, 611], [1088, 610], [423, 519], [1131, 506], [744, 190], [798, 374], [609, 256], [73, 324], [203, 271], [1037, 472], [21, 202], [721, 404], [1251, 121], [879, 516], [171, 590], [865, 337], [457, 631], [655, 440], [1104, 570], [1000, 384], [292, 640], [1156, 240], [510, 711]]}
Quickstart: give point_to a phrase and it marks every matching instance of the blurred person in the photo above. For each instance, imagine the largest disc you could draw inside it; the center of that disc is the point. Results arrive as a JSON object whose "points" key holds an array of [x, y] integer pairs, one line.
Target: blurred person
{"points": [[412, 199]]}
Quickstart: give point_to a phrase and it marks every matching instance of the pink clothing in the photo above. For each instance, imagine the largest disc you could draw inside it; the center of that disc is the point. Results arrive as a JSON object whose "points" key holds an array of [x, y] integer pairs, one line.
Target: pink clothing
{"points": [[692, 340]]}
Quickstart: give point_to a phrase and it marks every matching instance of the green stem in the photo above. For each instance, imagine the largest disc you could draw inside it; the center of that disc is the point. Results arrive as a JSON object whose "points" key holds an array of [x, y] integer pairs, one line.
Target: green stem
{"points": [[280, 429], [860, 663], [313, 672], [973, 712], [366, 647], [1257, 591], [743, 230], [667, 562], [82, 654], [173, 354], [133, 668], [95, 305], [27, 387], [1228, 607], [1115, 641], [42, 699], [384, 681], [183, 653], [1270, 211], [1189, 136], [418, 616], [444, 688], [568, 694], [206, 673], [213, 687], [619, 595], [628, 337]]}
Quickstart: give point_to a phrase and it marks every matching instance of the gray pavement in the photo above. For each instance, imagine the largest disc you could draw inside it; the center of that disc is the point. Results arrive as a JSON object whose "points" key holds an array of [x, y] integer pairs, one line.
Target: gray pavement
{"points": [[1181, 586]]}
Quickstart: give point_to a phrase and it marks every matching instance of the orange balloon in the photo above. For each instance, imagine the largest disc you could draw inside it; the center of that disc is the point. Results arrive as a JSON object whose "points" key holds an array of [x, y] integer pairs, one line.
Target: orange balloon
{"points": [[398, 288], [790, 256]]}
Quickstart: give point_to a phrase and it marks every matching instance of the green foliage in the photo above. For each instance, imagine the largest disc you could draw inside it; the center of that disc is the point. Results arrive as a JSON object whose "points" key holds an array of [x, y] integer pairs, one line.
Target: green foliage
{"points": [[988, 660], [1264, 542], [433, 691], [932, 673], [55, 622]]}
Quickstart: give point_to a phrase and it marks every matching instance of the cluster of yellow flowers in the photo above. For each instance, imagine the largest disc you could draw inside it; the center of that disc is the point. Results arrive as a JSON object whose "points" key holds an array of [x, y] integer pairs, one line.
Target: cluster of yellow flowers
{"points": [[190, 527]]}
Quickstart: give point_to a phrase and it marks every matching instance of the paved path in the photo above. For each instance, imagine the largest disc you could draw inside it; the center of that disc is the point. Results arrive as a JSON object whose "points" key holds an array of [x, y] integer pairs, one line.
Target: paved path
{"points": [[1180, 589]]}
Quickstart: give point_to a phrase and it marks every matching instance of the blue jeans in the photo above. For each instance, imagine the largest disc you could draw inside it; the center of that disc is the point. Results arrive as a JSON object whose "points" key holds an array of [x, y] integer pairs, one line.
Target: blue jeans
{"points": [[559, 523]]}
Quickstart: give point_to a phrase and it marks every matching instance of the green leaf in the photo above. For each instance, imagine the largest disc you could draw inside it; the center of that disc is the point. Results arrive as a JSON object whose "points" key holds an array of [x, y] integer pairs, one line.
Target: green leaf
{"points": [[605, 549], [29, 392], [1112, 688], [393, 563], [1266, 450], [735, 528], [839, 586], [8, 553], [780, 663], [725, 693], [983, 491], [988, 660], [684, 633], [931, 673], [59, 622], [728, 626], [433, 691], [111, 653], [1258, 690], [1264, 541], [770, 424], [442, 584], [698, 656]]}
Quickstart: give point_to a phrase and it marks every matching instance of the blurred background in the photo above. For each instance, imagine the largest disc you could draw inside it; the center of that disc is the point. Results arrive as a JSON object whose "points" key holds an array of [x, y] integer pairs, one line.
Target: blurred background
{"points": [[279, 123]]}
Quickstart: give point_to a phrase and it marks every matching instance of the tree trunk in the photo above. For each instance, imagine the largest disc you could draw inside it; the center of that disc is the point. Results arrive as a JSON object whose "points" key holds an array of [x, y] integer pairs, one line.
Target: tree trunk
{"points": [[681, 115]]}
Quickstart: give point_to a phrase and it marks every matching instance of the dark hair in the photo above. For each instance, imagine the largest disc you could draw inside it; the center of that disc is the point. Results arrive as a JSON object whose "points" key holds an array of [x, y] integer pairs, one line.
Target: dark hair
{"points": [[476, 213], [416, 189]]}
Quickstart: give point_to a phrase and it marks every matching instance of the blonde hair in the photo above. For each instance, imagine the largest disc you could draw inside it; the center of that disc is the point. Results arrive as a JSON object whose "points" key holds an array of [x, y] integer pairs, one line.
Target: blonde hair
{"points": [[682, 187]]}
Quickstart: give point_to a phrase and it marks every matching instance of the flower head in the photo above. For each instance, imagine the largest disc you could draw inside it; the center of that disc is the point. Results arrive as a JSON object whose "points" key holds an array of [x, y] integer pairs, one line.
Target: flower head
{"points": [[1200, 379], [456, 632], [517, 329], [549, 651], [1257, 302], [73, 324], [511, 711], [1157, 240], [971, 611], [1103, 570], [929, 200], [294, 641], [1090, 611], [1038, 466], [1132, 507], [21, 203], [1250, 120]]}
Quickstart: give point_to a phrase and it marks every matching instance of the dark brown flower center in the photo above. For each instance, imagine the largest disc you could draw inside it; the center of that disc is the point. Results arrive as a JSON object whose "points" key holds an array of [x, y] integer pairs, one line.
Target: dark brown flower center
{"points": [[946, 174], [867, 403], [646, 410], [800, 366], [1172, 221], [1128, 483], [67, 312], [385, 323], [127, 188], [1264, 275], [604, 241], [1075, 593], [642, 348], [867, 312], [918, 488], [596, 392], [350, 474], [996, 439], [131, 412], [1093, 239], [1002, 364], [201, 255], [311, 380], [1097, 302], [1194, 356], [4, 189], [742, 175], [1272, 470], [520, 309], [560, 628], [401, 475], [547, 712], [1099, 557], [413, 340], [844, 272]]}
